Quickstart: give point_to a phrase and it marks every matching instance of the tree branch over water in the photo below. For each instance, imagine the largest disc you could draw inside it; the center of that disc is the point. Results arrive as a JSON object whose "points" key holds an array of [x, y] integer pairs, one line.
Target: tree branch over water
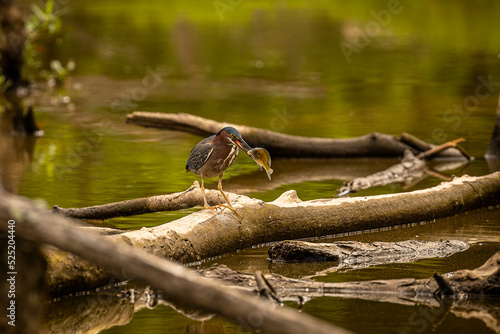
{"points": [[287, 146]]}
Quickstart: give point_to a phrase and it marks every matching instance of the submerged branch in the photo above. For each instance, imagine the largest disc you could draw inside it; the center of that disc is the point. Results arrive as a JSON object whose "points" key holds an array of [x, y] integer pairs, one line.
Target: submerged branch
{"points": [[462, 284], [464, 293]]}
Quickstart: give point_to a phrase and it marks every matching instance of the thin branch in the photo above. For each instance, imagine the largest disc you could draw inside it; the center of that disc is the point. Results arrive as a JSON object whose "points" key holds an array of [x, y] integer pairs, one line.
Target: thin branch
{"points": [[170, 202], [438, 149]]}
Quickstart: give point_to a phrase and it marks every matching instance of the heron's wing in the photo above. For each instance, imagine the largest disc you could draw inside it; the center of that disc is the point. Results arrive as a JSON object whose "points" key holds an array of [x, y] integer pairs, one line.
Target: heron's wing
{"points": [[199, 155]]}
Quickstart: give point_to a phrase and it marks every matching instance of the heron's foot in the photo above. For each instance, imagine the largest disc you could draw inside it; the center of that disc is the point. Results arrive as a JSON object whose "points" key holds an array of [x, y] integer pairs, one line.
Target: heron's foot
{"points": [[230, 208], [222, 207]]}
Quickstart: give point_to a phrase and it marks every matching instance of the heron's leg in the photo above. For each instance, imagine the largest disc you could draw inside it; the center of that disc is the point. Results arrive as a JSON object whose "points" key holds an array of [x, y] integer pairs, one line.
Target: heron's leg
{"points": [[203, 192], [229, 206]]}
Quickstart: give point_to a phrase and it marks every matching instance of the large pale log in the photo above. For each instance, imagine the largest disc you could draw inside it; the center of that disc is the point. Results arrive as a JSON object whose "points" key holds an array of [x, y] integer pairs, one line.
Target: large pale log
{"points": [[282, 145], [178, 283], [206, 233]]}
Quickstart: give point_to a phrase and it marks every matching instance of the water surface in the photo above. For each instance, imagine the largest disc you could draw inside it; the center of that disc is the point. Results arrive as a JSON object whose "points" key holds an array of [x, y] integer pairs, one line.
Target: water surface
{"points": [[280, 66]]}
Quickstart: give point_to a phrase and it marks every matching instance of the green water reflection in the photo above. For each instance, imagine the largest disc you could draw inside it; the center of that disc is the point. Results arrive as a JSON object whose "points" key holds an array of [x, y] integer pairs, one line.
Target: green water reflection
{"points": [[276, 65]]}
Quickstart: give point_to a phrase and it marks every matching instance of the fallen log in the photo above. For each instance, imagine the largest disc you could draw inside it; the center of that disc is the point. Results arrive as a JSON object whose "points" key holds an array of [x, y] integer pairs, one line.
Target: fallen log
{"points": [[178, 283], [170, 202], [355, 253], [286, 146], [207, 233]]}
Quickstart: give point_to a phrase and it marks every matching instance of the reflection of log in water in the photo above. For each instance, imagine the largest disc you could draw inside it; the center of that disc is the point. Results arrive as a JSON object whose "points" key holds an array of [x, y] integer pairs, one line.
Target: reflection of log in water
{"points": [[291, 171]]}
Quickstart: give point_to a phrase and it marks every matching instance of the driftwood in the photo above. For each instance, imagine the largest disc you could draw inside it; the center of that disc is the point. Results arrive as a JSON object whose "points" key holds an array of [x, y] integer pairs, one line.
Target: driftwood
{"points": [[206, 233], [178, 283], [355, 253], [411, 169], [287, 146], [476, 284], [124, 300]]}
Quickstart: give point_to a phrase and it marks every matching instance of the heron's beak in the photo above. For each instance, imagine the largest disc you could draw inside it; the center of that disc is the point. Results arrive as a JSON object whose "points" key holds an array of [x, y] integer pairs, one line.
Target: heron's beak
{"points": [[242, 144]]}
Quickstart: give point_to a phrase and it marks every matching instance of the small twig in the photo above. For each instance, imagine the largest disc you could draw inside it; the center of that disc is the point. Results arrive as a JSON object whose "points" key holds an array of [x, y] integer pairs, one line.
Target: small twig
{"points": [[265, 288]]}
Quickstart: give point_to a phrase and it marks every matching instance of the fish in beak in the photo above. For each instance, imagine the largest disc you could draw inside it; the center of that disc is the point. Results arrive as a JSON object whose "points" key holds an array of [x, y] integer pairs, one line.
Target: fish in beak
{"points": [[262, 158], [241, 144]]}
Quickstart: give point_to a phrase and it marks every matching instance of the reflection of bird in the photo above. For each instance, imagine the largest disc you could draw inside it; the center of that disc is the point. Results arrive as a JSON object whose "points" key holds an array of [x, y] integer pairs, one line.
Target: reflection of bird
{"points": [[213, 155]]}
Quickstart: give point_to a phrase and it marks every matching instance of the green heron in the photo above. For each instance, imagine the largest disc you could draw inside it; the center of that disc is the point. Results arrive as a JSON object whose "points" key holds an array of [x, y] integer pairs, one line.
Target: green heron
{"points": [[213, 155]]}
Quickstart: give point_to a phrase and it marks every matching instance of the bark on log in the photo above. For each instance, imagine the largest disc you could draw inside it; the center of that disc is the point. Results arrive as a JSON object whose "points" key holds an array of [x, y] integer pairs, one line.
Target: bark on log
{"points": [[207, 233], [355, 253], [179, 283], [286, 146]]}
